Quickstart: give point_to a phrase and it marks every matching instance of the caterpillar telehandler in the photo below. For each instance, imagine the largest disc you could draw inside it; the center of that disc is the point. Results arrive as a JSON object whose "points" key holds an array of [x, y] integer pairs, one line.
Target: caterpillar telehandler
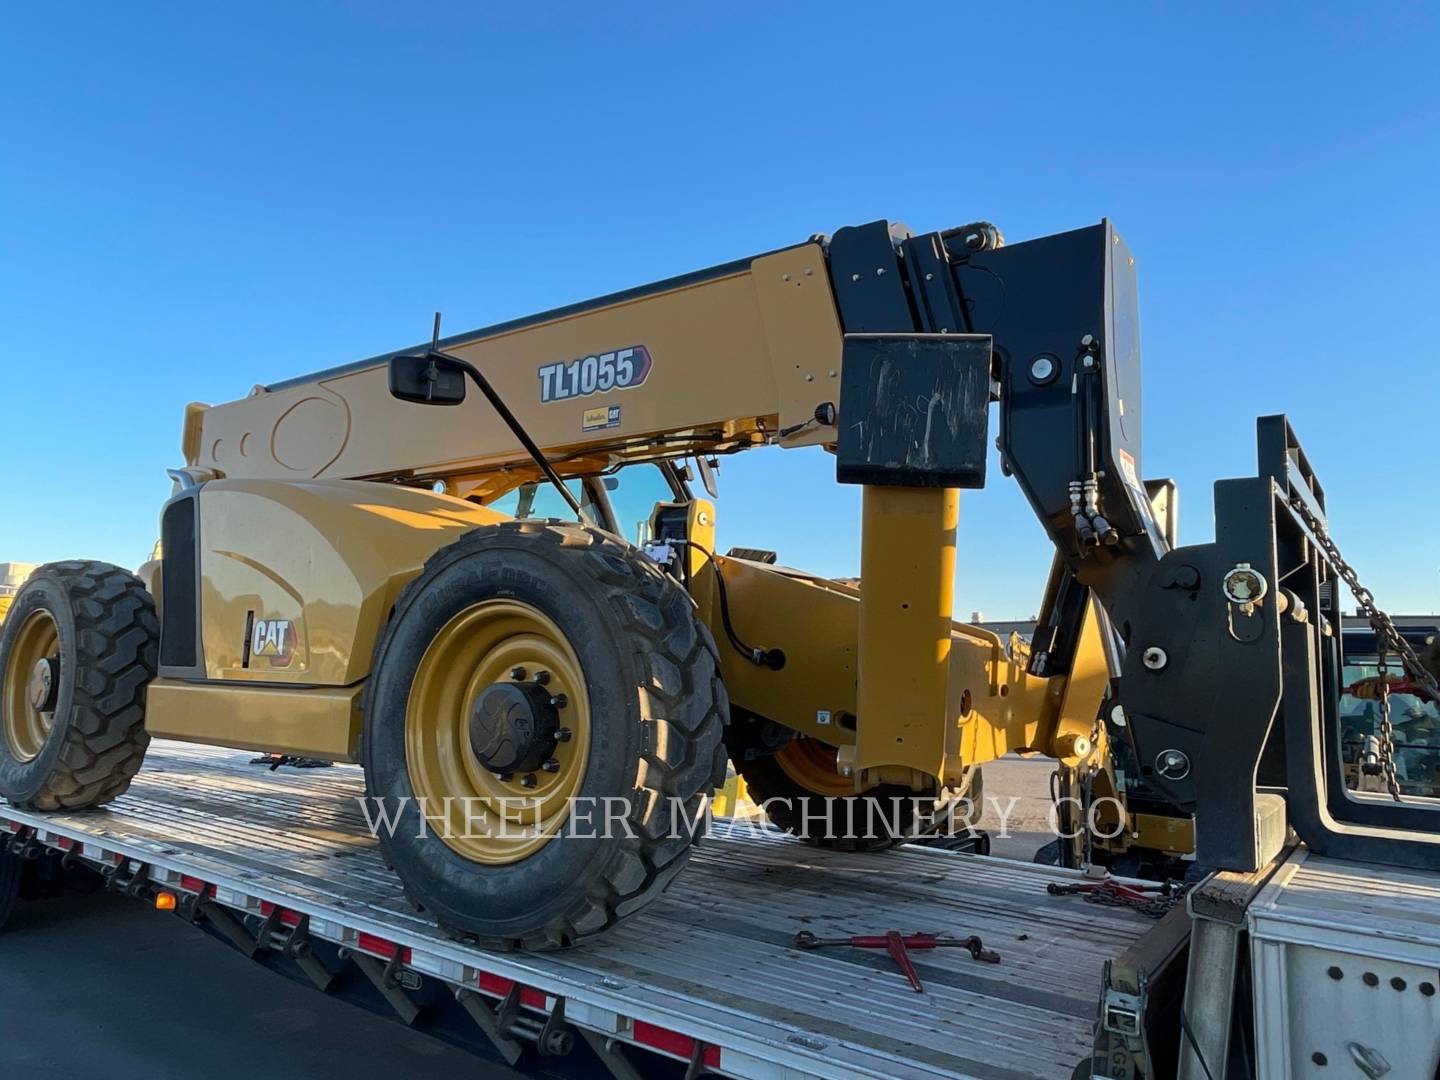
{"points": [[510, 609]]}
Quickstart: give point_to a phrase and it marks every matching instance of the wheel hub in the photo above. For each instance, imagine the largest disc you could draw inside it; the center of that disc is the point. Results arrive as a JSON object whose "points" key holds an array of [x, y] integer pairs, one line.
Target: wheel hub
{"points": [[43, 686], [513, 727]]}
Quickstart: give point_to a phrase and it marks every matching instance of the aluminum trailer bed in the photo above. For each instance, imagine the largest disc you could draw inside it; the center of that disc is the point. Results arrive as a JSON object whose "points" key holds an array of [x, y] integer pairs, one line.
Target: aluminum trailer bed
{"points": [[707, 975]]}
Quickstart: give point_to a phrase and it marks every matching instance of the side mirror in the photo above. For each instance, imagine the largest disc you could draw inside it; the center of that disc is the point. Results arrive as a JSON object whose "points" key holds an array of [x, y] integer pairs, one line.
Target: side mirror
{"points": [[708, 467], [428, 380]]}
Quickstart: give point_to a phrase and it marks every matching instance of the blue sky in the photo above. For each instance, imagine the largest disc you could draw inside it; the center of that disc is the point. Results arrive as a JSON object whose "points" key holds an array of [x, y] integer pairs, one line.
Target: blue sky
{"points": [[197, 199]]}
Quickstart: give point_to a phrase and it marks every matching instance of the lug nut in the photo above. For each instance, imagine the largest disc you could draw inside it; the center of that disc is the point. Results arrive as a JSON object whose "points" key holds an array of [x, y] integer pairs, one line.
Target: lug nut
{"points": [[504, 777], [518, 674], [542, 677], [563, 735], [559, 701], [553, 765], [528, 780]]}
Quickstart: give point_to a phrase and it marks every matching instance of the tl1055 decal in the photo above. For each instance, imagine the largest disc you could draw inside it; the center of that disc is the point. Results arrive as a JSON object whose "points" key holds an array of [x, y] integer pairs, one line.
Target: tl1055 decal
{"points": [[618, 370]]}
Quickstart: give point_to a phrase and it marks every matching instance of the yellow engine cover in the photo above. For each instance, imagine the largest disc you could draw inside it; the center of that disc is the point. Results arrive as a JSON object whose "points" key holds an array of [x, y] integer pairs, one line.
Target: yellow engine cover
{"points": [[296, 581]]}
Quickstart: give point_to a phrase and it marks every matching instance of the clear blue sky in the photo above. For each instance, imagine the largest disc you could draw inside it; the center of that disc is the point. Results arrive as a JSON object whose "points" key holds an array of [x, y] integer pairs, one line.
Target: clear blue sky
{"points": [[200, 198]]}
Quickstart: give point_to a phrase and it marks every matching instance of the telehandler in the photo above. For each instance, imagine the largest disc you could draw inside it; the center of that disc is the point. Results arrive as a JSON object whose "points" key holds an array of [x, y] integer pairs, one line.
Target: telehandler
{"points": [[510, 609]]}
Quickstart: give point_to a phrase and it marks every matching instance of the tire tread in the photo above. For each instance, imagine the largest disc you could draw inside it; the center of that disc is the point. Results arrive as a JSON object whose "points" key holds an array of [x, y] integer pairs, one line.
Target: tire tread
{"points": [[117, 638], [681, 695]]}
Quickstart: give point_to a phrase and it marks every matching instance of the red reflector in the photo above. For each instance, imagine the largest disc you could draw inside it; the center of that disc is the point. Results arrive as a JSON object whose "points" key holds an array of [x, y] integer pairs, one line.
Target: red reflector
{"points": [[287, 917], [119, 858], [672, 1042], [495, 984], [195, 885], [501, 987], [380, 947], [65, 843]]}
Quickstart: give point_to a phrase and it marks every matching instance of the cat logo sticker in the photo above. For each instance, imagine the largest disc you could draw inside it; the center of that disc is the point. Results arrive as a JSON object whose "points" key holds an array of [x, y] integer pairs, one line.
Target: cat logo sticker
{"points": [[272, 640]]}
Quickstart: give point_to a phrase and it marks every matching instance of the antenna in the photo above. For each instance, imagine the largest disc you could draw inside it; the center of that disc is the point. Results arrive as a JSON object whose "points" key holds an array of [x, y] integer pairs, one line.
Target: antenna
{"points": [[435, 337]]}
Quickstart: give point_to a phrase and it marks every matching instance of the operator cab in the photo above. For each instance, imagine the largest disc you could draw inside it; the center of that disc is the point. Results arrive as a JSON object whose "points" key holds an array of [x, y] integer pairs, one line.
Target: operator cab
{"points": [[1415, 716], [624, 501]]}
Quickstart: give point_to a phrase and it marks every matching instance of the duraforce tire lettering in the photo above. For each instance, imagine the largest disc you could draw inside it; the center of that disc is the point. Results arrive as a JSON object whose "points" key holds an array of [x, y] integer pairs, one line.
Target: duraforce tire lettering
{"points": [[597, 374]]}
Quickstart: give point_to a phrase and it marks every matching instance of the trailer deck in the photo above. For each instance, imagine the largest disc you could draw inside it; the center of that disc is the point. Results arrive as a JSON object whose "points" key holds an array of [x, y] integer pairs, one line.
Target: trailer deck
{"points": [[707, 974]]}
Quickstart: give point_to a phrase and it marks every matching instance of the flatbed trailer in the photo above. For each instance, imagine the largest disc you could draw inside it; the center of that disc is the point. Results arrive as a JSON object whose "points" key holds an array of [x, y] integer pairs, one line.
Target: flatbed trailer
{"points": [[283, 865], [1322, 962]]}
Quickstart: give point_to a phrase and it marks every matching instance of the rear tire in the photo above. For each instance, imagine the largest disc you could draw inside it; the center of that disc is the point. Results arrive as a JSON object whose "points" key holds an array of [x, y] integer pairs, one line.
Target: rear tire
{"points": [[653, 705], [94, 625], [817, 812]]}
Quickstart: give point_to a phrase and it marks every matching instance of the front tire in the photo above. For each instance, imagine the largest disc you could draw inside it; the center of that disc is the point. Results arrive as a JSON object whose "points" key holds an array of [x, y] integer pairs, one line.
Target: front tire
{"points": [[548, 626], [77, 650]]}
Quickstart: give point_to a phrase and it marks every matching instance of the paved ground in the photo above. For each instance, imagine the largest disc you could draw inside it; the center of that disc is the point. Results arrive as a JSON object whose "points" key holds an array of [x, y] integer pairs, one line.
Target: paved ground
{"points": [[1027, 817], [101, 986], [104, 986]]}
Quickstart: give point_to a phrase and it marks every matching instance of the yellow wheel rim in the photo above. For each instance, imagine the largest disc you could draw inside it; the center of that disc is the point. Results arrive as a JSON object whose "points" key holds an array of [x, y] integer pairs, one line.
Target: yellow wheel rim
{"points": [[493, 818], [30, 684], [811, 764]]}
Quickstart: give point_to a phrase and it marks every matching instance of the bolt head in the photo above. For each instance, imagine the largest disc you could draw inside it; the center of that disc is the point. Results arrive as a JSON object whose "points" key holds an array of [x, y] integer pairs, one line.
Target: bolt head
{"points": [[1043, 369], [1186, 577], [1154, 658]]}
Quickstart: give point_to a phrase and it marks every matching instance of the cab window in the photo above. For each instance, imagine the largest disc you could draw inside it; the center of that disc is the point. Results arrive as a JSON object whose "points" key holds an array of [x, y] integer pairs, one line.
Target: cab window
{"points": [[632, 493]]}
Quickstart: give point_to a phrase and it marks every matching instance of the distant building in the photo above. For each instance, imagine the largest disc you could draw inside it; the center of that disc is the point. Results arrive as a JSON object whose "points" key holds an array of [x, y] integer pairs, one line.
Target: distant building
{"points": [[1024, 627], [13, 575]]}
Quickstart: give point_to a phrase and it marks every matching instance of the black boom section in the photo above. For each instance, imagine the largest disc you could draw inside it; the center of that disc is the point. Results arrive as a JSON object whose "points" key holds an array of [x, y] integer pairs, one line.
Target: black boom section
{"points": [[1062, 312]]}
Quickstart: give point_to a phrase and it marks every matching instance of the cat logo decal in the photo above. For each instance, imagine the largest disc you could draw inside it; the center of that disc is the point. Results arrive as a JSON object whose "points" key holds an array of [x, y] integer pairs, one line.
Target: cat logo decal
{"points": [[270, 639]]}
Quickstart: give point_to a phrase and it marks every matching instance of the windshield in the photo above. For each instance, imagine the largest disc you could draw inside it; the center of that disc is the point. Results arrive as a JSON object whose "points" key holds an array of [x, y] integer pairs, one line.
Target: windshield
{"points": [[539, 499], [632, 493], [621, 501], [1416, 723]]}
